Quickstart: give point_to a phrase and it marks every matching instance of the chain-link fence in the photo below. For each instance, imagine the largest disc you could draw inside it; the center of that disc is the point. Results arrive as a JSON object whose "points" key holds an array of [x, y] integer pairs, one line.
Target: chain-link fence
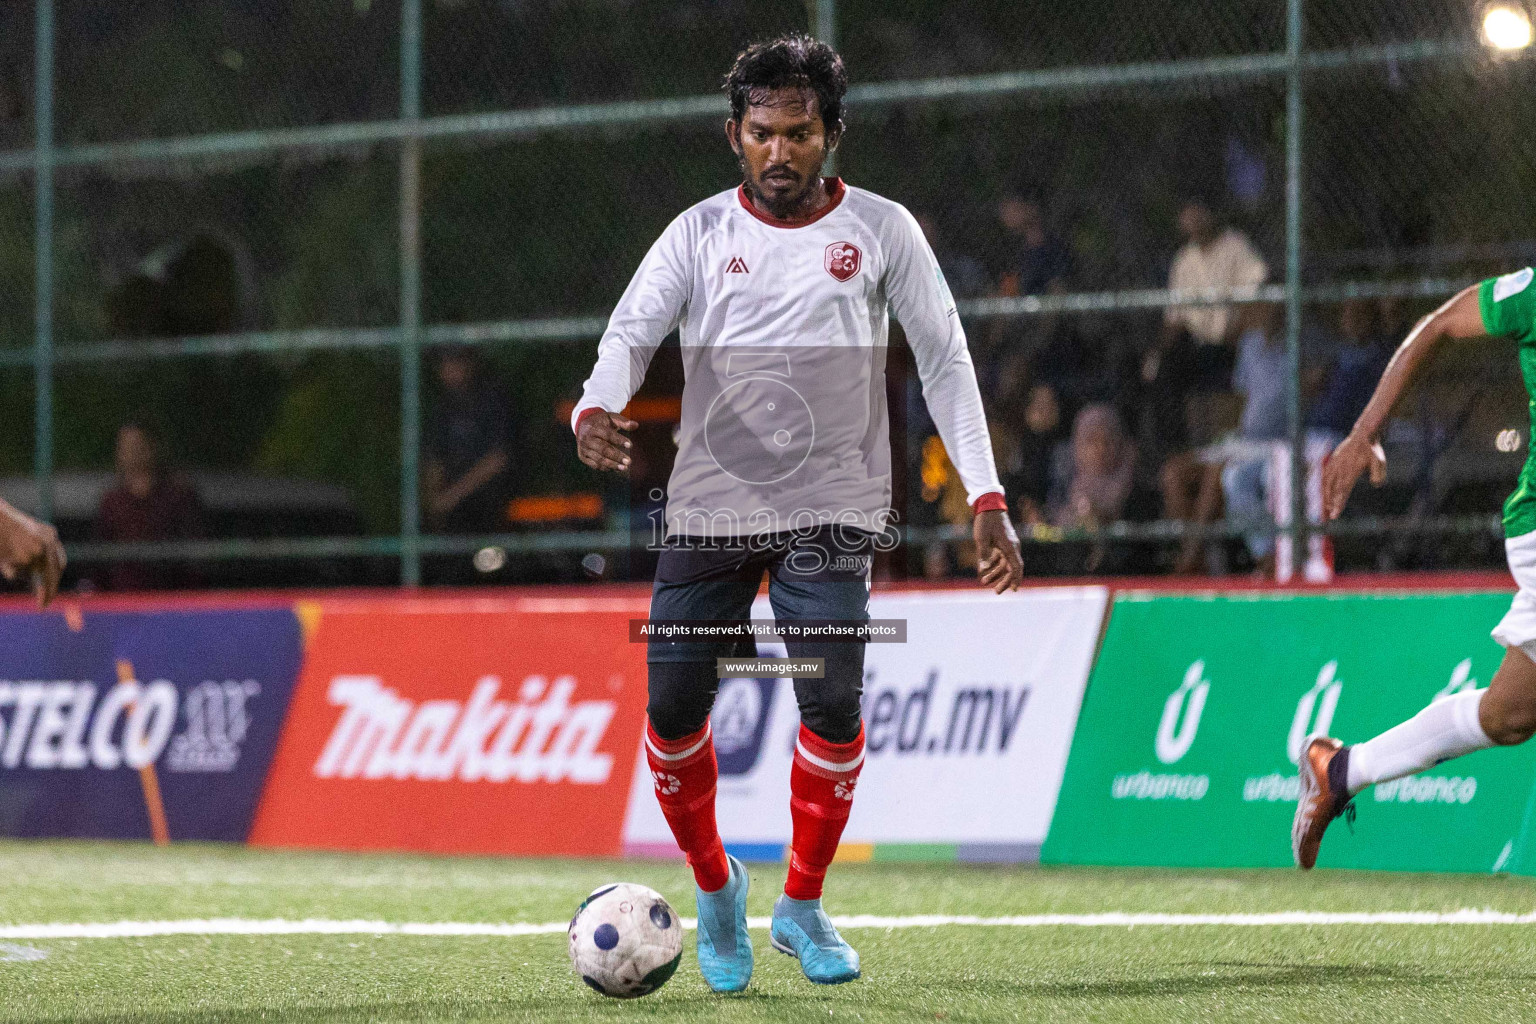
{"points": [[273, 239]]}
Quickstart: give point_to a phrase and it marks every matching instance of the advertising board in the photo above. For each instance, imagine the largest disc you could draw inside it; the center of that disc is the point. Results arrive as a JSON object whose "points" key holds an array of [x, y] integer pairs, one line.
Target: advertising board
{"points": [[1197, 709], [155, 724], [967, 728], [461, 726]]}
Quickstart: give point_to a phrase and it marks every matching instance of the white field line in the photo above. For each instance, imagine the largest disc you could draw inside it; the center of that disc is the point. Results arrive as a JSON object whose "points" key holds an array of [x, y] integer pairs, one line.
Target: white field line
{"points": [[244, 926]]}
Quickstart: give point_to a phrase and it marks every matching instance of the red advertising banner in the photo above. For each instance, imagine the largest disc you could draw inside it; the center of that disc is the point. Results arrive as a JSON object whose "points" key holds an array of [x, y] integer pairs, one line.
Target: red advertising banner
{"points": [[497, 726]]}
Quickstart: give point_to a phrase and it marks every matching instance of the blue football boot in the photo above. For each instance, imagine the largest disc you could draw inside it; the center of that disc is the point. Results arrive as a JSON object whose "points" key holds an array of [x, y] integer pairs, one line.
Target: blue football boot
{"points": [[725, 948], [801, 929]]}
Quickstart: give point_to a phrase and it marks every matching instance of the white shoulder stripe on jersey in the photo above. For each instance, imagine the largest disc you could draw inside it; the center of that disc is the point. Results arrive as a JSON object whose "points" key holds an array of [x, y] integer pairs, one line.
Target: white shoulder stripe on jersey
{"points": [[824, 764], [662, 755], [1512, 284]]}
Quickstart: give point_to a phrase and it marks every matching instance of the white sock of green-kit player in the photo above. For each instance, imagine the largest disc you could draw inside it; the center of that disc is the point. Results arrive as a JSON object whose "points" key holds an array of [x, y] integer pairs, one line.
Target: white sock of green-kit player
{"points": [[1447, 728]]}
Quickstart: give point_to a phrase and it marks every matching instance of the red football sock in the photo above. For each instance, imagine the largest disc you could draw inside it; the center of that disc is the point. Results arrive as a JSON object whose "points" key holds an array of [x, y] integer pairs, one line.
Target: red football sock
{"points": [[685, 772], [821, 795]]}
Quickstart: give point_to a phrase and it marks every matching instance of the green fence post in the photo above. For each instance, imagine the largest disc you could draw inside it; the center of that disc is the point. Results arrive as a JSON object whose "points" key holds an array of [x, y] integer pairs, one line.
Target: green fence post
{"points": [[410, 294], [42, 363], [1293, 170], [824, 25]]}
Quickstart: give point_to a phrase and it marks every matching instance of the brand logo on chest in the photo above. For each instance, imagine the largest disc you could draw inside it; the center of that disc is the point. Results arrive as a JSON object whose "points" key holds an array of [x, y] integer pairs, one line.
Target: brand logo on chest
{"points": [[736, 266], [842, 260]]}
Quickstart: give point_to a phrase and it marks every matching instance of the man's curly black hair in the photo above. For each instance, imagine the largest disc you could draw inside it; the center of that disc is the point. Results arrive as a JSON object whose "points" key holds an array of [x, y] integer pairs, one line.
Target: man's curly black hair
{"points": [[794, 61]]}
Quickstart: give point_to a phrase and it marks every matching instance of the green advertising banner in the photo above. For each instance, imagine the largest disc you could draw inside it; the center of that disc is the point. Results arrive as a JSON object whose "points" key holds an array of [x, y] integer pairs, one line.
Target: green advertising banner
{"points": [[1197, 707]]}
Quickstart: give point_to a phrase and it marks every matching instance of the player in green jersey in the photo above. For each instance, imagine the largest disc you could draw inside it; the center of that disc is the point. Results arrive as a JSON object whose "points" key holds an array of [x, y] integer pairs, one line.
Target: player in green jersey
{"points": [[1504, 713]]}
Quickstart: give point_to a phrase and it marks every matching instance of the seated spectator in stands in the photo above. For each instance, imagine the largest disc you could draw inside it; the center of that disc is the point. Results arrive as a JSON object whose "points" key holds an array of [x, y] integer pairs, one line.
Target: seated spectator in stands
{"points": [[1102, 472], [1212, 256], [1098, 491], [1348, 380], [468, 449], [943, 490], [1033, 261], [148, 502], [1077, 363], [964, 273], [1038, 477], [1261, 382], [1352, 371], [1193, 360]]}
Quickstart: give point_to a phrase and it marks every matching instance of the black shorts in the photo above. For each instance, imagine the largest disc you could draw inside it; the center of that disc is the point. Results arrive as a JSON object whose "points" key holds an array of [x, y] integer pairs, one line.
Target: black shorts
{"points": [[821, 574]]}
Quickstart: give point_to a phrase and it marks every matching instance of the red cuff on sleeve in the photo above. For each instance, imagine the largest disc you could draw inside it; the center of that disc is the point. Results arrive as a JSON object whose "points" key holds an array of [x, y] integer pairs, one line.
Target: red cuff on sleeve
{"points": [[990, 501], [584, 414]]}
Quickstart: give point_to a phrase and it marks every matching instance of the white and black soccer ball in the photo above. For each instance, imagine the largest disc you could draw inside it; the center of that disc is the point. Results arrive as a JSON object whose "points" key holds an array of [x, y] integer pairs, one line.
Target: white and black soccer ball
{"points": [[626, 940]]}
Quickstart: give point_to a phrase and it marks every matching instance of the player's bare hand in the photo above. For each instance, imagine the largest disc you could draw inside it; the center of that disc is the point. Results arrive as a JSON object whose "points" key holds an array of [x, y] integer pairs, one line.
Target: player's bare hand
{"points": [[30, 547], [1353, 456], [999, 565], [601, 442]]}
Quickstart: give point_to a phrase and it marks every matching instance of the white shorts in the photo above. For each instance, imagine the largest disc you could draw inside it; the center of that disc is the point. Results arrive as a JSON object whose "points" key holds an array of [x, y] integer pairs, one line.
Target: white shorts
{"points": [[1518, 627]]}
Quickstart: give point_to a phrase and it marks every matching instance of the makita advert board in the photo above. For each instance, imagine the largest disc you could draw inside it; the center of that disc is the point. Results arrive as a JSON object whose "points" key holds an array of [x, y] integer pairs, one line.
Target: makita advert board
{"points": [[480, 725]]}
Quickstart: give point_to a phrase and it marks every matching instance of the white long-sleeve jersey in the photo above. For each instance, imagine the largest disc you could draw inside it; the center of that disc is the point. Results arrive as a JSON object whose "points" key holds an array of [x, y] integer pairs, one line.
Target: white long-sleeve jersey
{"points": [[783, 329]]}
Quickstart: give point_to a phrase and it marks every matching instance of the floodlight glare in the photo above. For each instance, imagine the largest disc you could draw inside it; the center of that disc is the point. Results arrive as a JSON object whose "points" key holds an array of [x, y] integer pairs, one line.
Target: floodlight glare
{"points": [[1506, 27]]}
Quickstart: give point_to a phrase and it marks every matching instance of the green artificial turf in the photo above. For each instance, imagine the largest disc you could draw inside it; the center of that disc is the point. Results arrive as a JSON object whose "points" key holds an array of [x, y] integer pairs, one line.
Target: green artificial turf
{"points": [[1188, 973]]}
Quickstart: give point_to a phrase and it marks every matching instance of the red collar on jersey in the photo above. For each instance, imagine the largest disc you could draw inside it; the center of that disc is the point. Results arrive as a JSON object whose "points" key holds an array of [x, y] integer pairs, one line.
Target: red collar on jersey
{"points": [[834, 186]]}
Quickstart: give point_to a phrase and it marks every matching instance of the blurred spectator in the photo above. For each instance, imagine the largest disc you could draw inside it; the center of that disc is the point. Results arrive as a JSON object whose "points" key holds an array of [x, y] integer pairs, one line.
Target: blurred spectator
{"points": [[1099, 478], [1260, 381], [965, 274], [1348, 381], [1211, 257], [1029, 261], [202, 288], [1102, 473], [1184, 482], [468, 448], [1032, 261], [1194, 554], [147, 503], [1078, 365], [1193, 361], [1041, 470]]}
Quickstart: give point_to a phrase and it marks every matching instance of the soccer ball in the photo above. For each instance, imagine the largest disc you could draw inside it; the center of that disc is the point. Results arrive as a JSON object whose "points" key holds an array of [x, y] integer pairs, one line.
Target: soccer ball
{"points": [[625, 940]]}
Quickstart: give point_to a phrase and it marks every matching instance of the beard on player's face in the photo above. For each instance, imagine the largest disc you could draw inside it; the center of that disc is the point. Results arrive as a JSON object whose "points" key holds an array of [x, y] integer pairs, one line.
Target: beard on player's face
{"points": [[781, 147], [780, 188]]}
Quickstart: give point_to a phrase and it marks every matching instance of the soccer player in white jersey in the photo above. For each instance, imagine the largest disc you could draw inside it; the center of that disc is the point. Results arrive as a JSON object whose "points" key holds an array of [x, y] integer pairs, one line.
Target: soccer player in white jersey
{"points": [[781, 291], [1503, 714]]}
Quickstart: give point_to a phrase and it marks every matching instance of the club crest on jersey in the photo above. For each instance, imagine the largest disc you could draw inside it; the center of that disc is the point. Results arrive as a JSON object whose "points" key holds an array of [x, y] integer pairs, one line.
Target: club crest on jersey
{"points": [[842, 260], [737, 266]]}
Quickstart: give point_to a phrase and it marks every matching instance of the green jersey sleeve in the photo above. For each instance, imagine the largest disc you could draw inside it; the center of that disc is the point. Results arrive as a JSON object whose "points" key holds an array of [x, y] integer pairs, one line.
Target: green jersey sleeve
{"points": [[1508, 305]]}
